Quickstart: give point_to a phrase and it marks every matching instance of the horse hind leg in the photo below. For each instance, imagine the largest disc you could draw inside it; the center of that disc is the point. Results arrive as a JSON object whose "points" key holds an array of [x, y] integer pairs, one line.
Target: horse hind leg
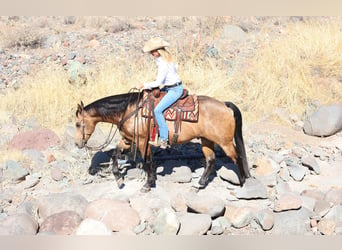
{"points": [[209, 154], [230, 150]]}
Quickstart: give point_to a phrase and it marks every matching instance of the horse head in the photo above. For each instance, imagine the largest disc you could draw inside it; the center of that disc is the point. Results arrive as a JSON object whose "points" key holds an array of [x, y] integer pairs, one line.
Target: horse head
{"points": [[84, 125]]}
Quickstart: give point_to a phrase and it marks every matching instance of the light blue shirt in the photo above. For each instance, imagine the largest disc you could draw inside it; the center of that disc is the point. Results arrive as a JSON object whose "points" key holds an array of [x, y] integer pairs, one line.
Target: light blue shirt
{"points": [[167, 74]]}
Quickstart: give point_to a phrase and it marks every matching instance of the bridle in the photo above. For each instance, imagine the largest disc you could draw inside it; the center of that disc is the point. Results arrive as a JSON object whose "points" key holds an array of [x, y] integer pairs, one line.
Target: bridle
{"points": [[110, 137], [100, 147]]}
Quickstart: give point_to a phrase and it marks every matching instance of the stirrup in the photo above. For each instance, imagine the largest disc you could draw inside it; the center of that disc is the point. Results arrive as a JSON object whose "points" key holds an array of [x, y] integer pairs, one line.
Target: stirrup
{"points": [[159, 143], [154, 142]]}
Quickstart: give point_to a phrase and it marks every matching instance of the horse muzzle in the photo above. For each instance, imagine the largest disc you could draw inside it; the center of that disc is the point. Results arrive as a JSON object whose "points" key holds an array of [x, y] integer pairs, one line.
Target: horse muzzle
{"points": [[81, 144]]}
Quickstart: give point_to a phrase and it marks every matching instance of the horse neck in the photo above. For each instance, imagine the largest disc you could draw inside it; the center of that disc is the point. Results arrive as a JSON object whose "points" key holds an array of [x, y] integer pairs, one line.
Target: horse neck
{"points": [[96, 117]]}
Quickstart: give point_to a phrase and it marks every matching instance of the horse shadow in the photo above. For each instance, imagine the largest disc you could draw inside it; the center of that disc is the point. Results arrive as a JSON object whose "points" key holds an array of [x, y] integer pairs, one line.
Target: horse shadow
{"points": [[189, 154]]}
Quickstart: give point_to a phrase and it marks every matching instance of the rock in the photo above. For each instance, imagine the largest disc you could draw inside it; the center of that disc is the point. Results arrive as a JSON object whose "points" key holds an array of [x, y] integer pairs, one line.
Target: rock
{"points": [[334, 196], [39, 139], [308, 202], [297, 172], [181, 174], [229, 174], [326, 121], [63, 223], [77, 73], [194, 224], [221, 222], [166, 222], [59, 202], [282, 187], [30, 209], [284, 174], [92, 227], [313, 193], [265, 166], [14, 171], [36, 156], [30, 181], [94, 43], [321, 208], [335, 214], [147, 204], [287, 201], [265, 219], [140, 228], [318, 152], [298, 151], [291, 222], [178, 203], [239, 216], [118, 215], [206, 204], [311, 163], [252, 189], [57, 174], [18, 224], [326, 226]]}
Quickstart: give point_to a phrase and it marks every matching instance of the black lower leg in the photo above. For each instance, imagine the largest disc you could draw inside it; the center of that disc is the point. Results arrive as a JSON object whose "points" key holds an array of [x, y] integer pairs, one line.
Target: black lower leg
{"points": [[208, 168], [115, 169]]}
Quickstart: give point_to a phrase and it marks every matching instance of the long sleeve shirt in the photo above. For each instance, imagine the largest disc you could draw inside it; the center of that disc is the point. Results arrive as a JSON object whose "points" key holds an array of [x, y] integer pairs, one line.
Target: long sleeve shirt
{"points": [[167, 74]]}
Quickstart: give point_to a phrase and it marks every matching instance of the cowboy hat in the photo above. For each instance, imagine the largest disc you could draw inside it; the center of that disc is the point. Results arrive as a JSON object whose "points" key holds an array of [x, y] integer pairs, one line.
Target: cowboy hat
{"points": [[155, 43]]}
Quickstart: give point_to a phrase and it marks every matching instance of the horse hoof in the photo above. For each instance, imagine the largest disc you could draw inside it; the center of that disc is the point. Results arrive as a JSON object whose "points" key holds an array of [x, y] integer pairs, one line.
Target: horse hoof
{"points": [[120, 183], [140, 165], [145, 189]]}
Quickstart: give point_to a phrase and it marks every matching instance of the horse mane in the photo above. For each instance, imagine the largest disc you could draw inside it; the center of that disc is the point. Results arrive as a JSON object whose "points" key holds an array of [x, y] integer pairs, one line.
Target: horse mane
{"points": [[114, 105]]}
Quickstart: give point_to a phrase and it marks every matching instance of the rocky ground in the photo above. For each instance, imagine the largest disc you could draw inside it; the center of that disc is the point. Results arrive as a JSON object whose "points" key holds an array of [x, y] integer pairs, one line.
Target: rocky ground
{"points": [[296, 186]]}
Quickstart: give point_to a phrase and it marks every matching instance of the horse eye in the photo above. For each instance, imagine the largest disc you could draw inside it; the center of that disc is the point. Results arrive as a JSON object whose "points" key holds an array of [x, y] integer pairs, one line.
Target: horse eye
{"points": [[78, 125]]}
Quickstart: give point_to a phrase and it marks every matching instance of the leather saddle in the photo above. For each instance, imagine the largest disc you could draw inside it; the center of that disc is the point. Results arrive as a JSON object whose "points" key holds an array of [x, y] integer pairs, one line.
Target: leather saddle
{"points": [[185, 104], [186, 108]]}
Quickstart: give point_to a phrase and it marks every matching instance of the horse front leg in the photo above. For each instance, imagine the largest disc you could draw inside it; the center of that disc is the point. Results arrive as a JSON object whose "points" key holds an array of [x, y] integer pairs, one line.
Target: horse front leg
{"points": [[148, 167], [209, 154], [115, 168]]}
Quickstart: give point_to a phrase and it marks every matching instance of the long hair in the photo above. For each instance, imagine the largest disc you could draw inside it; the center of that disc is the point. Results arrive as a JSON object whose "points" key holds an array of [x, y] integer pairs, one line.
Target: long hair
{"points": [[165, 54]]}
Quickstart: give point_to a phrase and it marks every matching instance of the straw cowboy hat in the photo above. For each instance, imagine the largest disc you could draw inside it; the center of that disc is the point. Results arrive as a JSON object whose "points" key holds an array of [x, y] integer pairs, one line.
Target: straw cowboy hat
{"points": [[155, 43]]}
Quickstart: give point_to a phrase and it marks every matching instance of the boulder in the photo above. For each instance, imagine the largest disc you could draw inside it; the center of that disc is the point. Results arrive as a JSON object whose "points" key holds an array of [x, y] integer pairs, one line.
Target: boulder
{"points": [[59, 202], [92, 227], [63, 223], [18, 224], [194, 224], [118, 215], [39, 139], [206, 204], [326, 121]]}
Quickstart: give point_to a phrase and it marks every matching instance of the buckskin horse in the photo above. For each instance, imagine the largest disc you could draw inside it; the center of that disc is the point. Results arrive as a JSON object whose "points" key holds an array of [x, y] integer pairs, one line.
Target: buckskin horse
{"points": [[218, 123]]}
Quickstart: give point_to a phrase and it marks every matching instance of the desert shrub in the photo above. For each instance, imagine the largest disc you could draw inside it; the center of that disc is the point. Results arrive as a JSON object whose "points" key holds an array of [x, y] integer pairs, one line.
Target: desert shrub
{"points": [[21, 36]]}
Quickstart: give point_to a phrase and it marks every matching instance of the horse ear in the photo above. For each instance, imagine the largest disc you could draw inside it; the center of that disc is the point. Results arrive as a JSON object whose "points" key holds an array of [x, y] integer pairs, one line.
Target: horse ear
{"points": [[82, 105], [80, 108]]}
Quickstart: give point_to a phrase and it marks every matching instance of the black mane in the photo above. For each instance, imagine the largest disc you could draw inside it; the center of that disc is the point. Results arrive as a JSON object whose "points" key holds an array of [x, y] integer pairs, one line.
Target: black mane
{"points": [[114, 105]]}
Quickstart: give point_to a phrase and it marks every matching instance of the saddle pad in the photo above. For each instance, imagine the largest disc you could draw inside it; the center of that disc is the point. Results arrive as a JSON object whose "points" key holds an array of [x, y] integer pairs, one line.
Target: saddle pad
{"points": [[188, 114]]}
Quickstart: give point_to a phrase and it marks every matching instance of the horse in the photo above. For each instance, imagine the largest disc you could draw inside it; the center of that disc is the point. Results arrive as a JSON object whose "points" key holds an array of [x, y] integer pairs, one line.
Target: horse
{"points": [[218, 123]]}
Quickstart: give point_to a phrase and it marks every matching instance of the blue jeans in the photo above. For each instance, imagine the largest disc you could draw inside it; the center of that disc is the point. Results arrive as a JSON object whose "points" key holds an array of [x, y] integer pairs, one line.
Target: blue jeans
{"points": [[171, 97]]}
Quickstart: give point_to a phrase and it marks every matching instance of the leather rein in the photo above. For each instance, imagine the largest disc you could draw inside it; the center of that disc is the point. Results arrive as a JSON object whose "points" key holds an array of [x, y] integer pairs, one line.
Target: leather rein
{"points": [[119, 125]]}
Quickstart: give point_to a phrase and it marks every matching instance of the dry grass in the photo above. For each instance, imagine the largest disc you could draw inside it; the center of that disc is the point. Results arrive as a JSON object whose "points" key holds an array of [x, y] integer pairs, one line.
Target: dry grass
{"points": [[300, 65]]}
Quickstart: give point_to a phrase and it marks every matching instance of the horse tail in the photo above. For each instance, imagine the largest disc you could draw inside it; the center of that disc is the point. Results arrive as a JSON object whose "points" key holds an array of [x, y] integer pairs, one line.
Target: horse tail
{"points": [[239, 144]]}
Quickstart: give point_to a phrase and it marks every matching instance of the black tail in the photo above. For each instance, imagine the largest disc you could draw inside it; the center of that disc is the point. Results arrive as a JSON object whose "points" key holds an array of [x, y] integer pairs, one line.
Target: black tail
{"points": [[239, 144]]}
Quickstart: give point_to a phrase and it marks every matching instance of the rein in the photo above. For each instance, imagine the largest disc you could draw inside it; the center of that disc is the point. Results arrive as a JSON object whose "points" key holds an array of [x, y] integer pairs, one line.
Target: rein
{"points": [[121, 122]]}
